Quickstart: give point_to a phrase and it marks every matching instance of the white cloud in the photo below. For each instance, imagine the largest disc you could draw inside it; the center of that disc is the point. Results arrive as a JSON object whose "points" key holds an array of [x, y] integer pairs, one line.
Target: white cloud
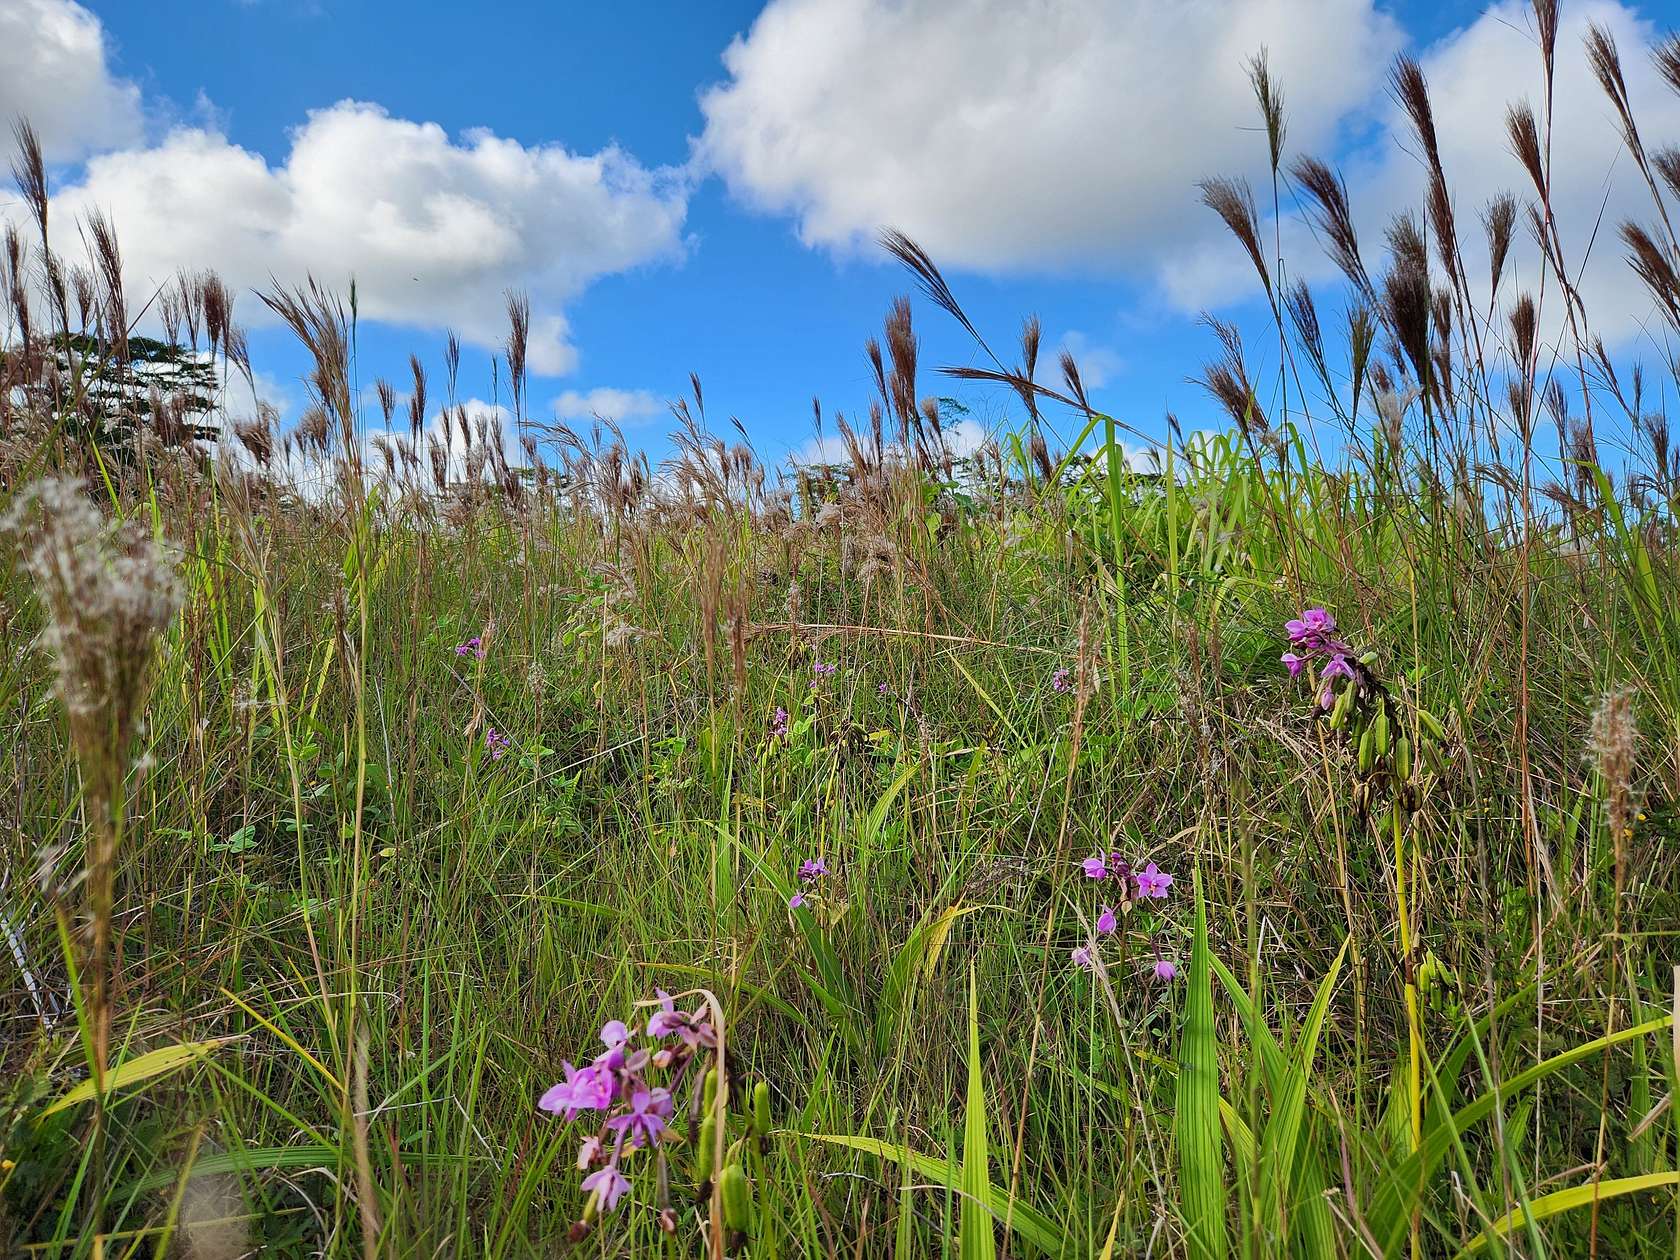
{"points": [[434, 229], [1005, 136], [1098, 364], [622, 406], [1474, 73], [53, 72]]}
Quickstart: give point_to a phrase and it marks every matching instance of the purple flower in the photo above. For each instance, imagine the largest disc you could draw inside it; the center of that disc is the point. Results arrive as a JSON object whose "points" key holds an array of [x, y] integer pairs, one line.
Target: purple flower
{"points": [[668, 1021], [610, 1184], [1152, 883], [472, 647], [1165, 970], [778, 723], [1338, 668], [589, 1152], [823, 669], [812, 869], [795, 901], [1106, 922], [495, 743], [614, 1033], [645, 1121], [883, 691], [1059, 681], [1311, 627], [1293, 663], [1094, 868], [1084, 958], [584, 1089]]}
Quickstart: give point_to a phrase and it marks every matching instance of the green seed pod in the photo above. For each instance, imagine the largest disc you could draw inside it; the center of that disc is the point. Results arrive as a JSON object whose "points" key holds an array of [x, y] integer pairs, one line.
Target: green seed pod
{"points": [[761, 1109], [1369, 659], [1379, 734], [1431, 725], [737, 1199], [1343, 705], [1403, 758], [708, 1091], [1365, 747], [705, 1150]]}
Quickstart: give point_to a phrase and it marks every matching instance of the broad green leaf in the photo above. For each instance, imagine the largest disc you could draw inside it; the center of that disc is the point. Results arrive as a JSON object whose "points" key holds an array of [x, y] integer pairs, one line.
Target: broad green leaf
{"points": [[978, 1241], [1548, 1205], [142, 1067]]}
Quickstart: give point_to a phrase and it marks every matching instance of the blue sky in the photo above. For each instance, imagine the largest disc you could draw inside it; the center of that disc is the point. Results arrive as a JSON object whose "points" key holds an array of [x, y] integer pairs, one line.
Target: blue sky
{"points": [[731, 236]]}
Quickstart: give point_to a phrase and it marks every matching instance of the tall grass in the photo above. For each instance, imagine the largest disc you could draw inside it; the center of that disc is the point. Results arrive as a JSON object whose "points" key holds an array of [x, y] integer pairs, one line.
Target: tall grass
{"points": [[1425, 990]]}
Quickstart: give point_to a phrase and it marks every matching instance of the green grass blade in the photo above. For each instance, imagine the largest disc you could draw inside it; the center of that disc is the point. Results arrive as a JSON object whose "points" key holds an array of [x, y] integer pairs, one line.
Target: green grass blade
{"points": [[1201, 1161], [978, 1241]]}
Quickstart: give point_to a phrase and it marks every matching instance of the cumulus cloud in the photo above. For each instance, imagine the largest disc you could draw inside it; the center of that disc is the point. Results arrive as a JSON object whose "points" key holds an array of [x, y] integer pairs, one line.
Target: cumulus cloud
{"points": [[622, 406], [1098, 364], [54, 72], [434, 229], [1474, 73], [1005, 136]]}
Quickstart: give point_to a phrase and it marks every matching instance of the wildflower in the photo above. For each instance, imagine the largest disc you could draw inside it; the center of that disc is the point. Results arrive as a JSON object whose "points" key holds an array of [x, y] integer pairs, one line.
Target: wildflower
{"points": [[584, 1089], [1084, 958], [1165, 969], [1293, 663], [589, 1152], [1106, 922], [795, 901], [1312, 627], [609, 1184], [1338, 668], [472, 647], [495, 743], [668, 1021], [1059, 681], [823, 669], [645, 1121], [1152, 882], [779, 723], [614, 1034], [1095, 868], [812, 869], [883, 691]]}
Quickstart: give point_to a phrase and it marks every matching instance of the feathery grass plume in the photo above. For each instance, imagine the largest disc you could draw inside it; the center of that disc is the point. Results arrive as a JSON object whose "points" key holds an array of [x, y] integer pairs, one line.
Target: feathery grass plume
{"points": [[1233, 201], [416, 397], [1303, 317], [451, 361], [1406, 296], [1499, 219], [1030, 335], [29, 172], [1270, 97], [1226, 378], [1666, 57], [108, 259], [932, 282], [1075, 385], [317, 319], [1651, 263], [108, 594], [518, 339], [1524, 135], [1332, 217]]}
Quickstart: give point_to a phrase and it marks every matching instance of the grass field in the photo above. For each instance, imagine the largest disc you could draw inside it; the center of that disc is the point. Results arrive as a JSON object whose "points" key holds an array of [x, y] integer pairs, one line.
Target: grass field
{"points": [[352, 787]]}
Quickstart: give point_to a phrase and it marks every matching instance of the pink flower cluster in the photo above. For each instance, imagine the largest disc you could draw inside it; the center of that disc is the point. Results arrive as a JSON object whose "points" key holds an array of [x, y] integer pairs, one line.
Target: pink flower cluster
{"points": [[617, 1083], [1314, 633], [1149, 884], [811, 872], [472, 647]]}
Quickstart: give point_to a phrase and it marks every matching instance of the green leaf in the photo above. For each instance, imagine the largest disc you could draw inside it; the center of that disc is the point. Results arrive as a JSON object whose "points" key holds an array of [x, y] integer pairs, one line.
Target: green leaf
{"points": [[1025, 1222], [143, 1067], [1201, 1160], [978, 1242], [1548, 1205]]}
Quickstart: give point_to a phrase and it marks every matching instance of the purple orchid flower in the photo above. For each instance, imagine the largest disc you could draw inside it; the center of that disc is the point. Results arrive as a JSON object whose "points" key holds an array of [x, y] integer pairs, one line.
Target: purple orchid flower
{"points": [[1106, 922], [645, 1121], [1152, 882], [1084, 958], [610, 1184], [1094, 868]]}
